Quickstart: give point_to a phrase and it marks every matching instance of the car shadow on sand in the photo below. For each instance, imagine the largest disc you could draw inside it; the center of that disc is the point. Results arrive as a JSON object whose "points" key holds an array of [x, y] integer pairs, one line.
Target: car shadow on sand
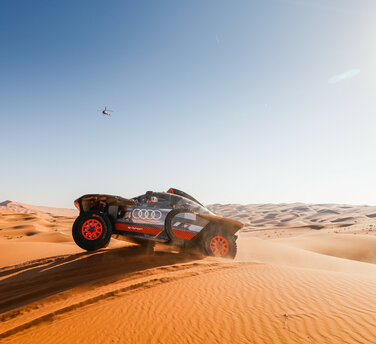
{"points": [[29, 282]]}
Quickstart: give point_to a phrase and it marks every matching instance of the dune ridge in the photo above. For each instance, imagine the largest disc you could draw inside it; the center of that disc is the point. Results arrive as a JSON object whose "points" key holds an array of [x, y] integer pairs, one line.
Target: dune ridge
{"points": [[24, 208]]}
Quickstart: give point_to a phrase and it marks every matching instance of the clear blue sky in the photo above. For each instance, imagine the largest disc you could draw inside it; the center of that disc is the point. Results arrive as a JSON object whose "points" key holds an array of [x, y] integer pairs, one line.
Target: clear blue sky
{"points": [[231, 101]]}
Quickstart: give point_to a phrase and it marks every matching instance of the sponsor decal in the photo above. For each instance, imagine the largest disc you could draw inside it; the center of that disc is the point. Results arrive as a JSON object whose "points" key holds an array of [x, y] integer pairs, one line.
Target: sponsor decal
{"points": [[142, 229], [136, 228], [147, 214], [187, 226]]}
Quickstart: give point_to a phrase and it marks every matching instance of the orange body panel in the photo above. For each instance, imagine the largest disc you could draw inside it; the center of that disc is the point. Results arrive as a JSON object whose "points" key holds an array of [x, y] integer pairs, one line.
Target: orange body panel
{"points": [[153, 230], [184, 235]]}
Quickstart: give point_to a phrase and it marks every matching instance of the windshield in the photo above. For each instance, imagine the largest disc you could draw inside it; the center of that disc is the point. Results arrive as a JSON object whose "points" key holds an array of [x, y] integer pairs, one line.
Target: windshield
{"points": [[182, 202]]}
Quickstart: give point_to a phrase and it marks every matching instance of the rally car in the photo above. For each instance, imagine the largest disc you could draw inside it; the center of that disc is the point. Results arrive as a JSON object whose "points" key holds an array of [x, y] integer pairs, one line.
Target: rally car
{"points": [[171, 217]]}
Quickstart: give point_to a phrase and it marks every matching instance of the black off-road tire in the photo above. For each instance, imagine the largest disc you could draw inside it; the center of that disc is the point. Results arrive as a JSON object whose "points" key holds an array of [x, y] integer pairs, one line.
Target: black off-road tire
{"points": [[219, 242], [92, 220]]}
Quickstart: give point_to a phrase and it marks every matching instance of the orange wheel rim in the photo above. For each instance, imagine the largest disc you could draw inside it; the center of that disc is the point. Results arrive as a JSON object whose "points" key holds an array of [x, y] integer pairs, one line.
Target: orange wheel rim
{"points": [[92, 229], [219, 246]]}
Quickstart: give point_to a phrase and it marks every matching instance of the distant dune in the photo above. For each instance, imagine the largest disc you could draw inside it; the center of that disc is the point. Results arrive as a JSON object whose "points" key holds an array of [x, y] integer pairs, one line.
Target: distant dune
{"points": [[290, 219], [27, 209], [303, 274]]}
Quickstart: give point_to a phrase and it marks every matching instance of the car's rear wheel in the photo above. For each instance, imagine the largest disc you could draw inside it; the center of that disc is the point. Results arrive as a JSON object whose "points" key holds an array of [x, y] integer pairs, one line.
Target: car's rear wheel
{"points": [[218, 242], [92, 231]]}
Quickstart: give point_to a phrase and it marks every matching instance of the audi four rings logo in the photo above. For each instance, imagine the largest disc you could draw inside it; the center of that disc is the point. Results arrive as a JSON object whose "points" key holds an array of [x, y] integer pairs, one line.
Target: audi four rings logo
{"points": [[147, 214]]}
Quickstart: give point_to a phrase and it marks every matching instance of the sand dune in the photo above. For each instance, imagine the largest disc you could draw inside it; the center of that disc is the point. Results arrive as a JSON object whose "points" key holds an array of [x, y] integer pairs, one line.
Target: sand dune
{"points": [[279, 220], [177, 301], [276, 253], [28, 208], [349, 246], [303, 274]]}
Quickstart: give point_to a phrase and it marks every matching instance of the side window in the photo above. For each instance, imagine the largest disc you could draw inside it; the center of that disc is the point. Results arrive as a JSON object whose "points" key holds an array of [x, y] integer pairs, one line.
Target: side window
{"points": [[158, 200], [174, 201]]}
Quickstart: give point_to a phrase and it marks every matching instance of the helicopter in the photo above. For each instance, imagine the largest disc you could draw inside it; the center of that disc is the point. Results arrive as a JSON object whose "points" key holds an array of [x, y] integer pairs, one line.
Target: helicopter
{"points": [[106, 112]]}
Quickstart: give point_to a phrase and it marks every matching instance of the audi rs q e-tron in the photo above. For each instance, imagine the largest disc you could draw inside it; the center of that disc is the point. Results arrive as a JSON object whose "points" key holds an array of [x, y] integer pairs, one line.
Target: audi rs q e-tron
{"points": [[171, 217]]}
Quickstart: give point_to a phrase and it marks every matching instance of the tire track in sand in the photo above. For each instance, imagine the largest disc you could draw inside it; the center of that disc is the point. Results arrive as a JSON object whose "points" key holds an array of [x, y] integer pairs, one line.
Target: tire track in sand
{"points": [[56, 306]]}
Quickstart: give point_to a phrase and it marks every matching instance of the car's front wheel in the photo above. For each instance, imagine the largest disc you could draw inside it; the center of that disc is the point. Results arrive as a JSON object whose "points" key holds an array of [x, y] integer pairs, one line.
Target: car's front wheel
{"points": [[92, 231], [219, 243]]}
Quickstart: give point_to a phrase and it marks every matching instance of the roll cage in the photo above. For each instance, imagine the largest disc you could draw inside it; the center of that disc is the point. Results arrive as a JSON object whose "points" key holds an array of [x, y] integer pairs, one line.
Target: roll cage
{"points": [[171, 200]]}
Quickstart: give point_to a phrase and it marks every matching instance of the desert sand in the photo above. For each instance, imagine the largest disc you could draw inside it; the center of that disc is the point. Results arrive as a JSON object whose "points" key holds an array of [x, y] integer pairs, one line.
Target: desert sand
{"points": [[303, 274]]}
